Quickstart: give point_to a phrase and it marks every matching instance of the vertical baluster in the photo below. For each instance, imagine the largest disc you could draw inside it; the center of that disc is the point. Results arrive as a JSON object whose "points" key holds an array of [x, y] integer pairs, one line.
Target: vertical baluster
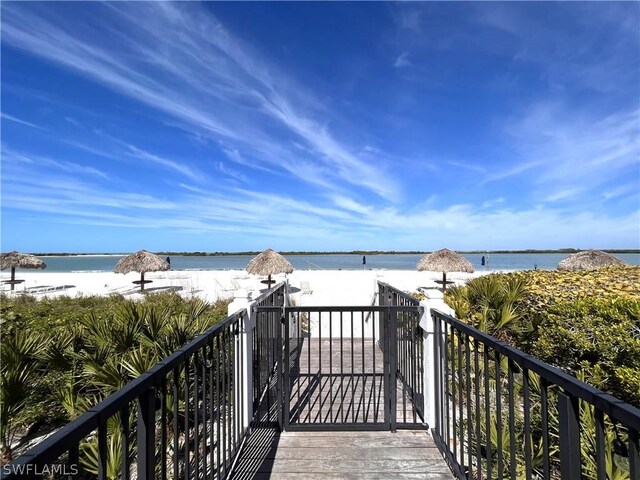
{"points": [[405, 362], [414, 357], [476, 386], [320, 398], [227, 398], [447, 410], [341, 370], [232, 381], [469, 443], [102, 451], [601, 465], [363, 396], [454, 405], [634, 454], [544, 407], [196, 416], [74, 461], [187, 429], [124, 442], [241, 401], [309, 404], [331, 399], [353, 393], [461, 398], [163, 428], [219, 394], [176, 432], [205, 408], [212, 410], [527, 423], [375, 370], [487, 410], [512, 420], [499, 416]]}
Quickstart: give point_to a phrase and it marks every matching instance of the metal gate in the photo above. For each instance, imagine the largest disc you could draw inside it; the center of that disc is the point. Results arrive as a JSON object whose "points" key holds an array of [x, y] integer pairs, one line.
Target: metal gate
{"points": [[346, 368]]}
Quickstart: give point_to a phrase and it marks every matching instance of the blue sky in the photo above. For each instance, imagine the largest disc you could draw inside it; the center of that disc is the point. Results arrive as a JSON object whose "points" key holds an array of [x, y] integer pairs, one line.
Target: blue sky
{"points": [[320, 126]]}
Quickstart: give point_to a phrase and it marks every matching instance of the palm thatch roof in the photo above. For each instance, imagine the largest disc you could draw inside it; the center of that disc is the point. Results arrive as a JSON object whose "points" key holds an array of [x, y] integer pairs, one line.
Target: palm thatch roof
{"points": [[269, 263], [20, 260], [445, 261], [588, 260], [141, 262]]}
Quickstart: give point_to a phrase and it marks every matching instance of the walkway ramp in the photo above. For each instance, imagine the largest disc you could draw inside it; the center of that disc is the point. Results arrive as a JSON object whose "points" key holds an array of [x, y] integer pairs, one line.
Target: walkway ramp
{"points": [[405, 454]]}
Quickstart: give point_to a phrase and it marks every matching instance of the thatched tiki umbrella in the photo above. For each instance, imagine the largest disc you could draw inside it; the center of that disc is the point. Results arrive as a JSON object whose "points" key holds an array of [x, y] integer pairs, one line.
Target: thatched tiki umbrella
{"points": [[588, 260], [15, 260], [142, 262], [445, 261], [269, 263]]}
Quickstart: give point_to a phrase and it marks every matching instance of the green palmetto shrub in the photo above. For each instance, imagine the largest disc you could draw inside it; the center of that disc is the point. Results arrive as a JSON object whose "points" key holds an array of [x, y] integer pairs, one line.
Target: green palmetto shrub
{"points": [[19, 369], [490, 304], [477, 398], [62, 356]]}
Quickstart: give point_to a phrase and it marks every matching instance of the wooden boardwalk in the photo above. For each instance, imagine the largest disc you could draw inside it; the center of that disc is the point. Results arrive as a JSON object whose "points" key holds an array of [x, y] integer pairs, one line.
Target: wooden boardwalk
{"points": [[339, 383], [405, 454]]}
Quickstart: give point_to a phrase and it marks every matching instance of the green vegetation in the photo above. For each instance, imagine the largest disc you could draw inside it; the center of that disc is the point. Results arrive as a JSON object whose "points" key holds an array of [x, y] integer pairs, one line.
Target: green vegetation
{"points": [[582, 322], [61, 356], [586, 323]]}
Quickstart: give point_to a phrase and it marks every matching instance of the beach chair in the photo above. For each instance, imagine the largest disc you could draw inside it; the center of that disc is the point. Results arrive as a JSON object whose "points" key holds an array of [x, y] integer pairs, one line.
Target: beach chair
{"points": [[235, 284], [305, 288]]}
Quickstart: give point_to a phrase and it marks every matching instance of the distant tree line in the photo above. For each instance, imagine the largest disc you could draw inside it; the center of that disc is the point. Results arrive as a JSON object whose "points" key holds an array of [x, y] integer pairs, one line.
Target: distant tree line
{"points": [[352, 252]]}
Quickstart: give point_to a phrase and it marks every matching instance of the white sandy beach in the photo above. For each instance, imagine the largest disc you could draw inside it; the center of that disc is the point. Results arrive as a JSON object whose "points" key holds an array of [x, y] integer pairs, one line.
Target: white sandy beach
{"points": [[309, 287]]}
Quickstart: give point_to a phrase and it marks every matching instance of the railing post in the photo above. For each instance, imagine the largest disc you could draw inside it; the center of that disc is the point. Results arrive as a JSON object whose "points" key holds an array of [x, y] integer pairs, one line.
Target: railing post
{"points": [[241, 301], [568, 416], [434, 300], [392, 345], [146, 435]]}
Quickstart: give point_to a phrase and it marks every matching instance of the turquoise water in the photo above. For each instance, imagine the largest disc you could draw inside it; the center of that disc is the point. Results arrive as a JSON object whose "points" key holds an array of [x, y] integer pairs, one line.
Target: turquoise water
{"points": [[496, 261]]}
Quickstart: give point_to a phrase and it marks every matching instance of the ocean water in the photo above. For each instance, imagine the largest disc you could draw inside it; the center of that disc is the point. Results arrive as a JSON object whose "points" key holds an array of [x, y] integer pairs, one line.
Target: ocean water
{"points": [[495, 261]]}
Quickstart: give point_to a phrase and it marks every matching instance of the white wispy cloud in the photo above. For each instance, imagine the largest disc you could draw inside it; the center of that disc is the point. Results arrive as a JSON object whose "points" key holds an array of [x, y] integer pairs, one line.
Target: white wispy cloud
{"points": [[11, 118], [178, 166], [402, 60], [566, 152], [226, 92], [40, 163], [240, 212]]}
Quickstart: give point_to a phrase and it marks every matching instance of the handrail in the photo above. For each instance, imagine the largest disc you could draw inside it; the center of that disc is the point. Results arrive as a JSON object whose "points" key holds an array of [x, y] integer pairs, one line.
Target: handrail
{"points": [[60, 442], [408, 298], [477, 392], [269, 292], [612, 406]]}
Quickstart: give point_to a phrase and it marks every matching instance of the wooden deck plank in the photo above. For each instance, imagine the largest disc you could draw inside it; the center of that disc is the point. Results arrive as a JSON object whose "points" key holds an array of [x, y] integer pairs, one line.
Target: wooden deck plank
{"points": [[383, 451], [330, 454], [331, 465], [344, 476]]}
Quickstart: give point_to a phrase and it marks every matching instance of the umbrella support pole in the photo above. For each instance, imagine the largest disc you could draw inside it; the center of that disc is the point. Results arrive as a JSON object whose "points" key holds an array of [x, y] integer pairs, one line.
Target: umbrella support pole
{"points": [[142, 282], [13, 278]]}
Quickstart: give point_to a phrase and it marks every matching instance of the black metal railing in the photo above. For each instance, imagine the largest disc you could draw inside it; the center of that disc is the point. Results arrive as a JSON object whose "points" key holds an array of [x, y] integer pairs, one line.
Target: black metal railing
{"points": [[267, 350], [501, 413], [181, 419], [409, 351]]}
